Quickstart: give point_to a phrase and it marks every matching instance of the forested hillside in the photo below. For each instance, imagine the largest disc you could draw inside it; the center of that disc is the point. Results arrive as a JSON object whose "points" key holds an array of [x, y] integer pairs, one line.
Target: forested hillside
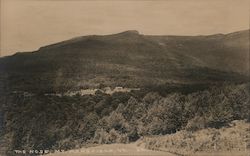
{"points": [[128, 59], [51, 122]]}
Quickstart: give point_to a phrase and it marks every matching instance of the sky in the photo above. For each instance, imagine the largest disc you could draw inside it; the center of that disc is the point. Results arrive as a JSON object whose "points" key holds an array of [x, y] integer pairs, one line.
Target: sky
{"points": [[27, 25]]}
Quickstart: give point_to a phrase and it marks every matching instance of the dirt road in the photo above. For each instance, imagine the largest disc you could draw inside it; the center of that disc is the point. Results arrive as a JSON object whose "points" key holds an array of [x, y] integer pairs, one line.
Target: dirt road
{"points": [[113, 150]]}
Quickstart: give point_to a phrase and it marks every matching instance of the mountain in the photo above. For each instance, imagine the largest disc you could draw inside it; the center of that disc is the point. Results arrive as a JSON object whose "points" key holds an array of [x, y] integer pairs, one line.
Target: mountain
{"points": [[181, 82], [128, 59]]}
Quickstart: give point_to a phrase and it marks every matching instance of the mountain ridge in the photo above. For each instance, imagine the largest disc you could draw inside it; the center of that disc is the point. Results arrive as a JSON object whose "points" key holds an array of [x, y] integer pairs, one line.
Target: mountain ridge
{"points": [[130, 59], [135, 32]]}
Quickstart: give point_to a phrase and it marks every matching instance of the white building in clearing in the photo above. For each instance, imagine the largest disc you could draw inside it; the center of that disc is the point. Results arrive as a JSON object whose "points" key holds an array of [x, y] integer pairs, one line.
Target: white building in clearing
{"points": [[106, 90]]}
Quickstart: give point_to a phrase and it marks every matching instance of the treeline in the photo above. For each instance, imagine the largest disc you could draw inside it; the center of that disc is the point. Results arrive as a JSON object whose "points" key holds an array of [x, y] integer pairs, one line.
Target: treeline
{"points": [[51, 122], [157, 115]]}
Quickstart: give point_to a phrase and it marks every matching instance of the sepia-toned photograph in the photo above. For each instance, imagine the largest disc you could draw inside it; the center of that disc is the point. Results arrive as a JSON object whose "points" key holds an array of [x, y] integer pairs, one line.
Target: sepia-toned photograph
{"points": [[124, 78]]}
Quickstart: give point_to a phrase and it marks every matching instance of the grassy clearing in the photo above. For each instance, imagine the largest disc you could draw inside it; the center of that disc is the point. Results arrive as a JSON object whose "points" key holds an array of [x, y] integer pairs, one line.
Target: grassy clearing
{"points": [[233, 140]]}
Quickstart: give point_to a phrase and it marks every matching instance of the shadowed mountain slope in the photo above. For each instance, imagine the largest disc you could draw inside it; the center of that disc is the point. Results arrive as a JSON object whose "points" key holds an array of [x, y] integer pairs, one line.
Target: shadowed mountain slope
{"points": [[129, 59]]}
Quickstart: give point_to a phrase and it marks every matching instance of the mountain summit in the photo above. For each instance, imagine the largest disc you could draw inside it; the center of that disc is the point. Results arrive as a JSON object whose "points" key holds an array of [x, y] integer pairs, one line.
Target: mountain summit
{"points": [[131, 32]]}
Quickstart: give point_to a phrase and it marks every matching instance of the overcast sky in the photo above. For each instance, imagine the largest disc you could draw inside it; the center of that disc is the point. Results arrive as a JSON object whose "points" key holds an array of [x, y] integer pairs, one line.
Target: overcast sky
{"points": [[27, 25]]}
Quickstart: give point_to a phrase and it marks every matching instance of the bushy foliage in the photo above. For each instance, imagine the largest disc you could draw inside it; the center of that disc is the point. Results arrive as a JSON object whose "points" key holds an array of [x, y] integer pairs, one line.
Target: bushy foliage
{"points": [[41, 121]]}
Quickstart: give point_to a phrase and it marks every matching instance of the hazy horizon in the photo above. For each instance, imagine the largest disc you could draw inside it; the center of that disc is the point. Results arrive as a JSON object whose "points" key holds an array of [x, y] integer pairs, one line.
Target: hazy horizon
{"points": [[27, 25]]}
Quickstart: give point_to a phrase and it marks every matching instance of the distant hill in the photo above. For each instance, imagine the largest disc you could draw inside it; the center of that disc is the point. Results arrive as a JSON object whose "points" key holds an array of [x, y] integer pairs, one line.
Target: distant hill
{"points": [[128, 59]]}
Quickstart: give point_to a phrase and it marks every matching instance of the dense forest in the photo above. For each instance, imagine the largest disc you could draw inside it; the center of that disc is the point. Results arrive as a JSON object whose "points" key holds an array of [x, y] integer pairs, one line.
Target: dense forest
{"points": [[52, 122]]}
